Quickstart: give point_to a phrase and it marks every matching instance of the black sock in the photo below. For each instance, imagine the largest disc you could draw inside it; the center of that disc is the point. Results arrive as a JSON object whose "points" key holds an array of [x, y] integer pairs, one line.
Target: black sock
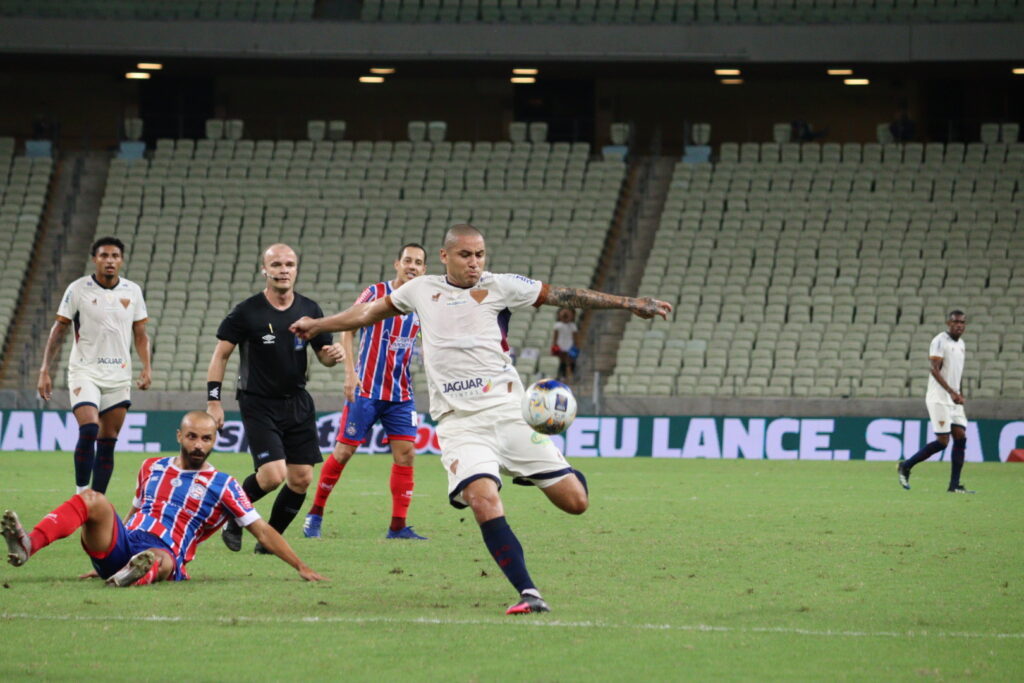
{"points": [[252, 488], [507, 552], [923, 454], [957, 461], [104, 465], [85, 453], [287, 504]]}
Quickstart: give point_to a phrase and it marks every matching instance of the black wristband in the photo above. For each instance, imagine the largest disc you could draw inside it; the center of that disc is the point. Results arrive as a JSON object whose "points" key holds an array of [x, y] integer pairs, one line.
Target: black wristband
{"points": [[213, 391]]}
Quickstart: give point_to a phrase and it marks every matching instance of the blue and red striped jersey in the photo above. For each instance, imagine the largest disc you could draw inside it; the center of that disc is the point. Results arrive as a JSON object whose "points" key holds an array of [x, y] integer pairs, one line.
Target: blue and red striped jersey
{"points": [[184, 507], [385, 350]]}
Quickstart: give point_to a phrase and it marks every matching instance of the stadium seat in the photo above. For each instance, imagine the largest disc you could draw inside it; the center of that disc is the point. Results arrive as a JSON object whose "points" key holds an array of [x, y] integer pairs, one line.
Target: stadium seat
{"points": [[214, 129], [417, 131]]}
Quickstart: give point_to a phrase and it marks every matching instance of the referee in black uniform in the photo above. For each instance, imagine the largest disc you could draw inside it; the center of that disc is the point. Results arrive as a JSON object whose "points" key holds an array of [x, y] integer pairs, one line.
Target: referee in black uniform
{"points": [[277, 412]]}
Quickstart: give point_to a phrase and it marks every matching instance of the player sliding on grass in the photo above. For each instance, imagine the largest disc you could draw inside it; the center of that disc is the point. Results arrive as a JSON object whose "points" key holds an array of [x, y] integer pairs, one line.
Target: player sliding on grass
{"points": [[475, 391], [179, 502]]}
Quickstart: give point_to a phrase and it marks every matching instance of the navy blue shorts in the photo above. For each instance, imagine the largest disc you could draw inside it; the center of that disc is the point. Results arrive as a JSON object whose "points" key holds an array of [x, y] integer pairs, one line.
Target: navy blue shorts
{"points": [[127, 544], [399, 419]]}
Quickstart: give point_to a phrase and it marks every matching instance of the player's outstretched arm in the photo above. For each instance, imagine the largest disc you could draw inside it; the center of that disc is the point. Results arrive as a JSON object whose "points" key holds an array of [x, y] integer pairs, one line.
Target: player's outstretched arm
{"points": [[356, 316], [57, 332], [577, 297], [275, 543]]}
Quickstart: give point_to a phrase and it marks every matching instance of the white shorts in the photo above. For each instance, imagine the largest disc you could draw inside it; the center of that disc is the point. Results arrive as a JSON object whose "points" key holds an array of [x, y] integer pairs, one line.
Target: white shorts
{"points": [[945, 415], [496, 441], [84, 390]]}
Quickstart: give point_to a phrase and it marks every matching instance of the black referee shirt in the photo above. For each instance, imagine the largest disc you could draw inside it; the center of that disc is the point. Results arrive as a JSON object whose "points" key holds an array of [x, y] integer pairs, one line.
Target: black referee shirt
{"points": [[273, 362]]}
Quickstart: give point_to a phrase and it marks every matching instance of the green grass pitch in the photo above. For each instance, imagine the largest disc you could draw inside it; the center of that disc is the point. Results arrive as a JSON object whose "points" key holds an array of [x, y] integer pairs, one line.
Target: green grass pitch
{"points": [[681, 570]]}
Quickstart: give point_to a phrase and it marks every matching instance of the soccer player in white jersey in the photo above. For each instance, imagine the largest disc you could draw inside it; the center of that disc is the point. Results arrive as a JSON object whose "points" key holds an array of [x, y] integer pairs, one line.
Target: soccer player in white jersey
{"points": [[945, 402], [475, 392], [108, 313]]}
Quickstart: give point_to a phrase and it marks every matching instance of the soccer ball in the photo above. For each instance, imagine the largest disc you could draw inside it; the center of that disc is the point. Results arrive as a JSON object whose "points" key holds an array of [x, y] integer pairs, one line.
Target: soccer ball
{"points": [[549, 406]]}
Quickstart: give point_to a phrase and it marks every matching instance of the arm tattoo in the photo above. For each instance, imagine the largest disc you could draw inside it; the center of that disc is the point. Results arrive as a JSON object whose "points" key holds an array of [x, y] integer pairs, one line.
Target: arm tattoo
{"points": [[575, 297]]}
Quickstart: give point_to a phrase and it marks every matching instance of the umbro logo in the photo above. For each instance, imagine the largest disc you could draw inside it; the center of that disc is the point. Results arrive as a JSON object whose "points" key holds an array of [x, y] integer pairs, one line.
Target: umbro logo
{"points": [[268, 338]]}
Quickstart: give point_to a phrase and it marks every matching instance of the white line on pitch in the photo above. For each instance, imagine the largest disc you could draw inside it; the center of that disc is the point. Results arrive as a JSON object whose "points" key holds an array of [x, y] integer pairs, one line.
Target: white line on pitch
{"points": [[542, 622]]}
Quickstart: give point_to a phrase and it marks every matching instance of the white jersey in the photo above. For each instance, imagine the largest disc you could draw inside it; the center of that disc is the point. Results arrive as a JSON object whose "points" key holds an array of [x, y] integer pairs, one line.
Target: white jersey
{"points": [[952, 354], [465, 350], [102, 319]]}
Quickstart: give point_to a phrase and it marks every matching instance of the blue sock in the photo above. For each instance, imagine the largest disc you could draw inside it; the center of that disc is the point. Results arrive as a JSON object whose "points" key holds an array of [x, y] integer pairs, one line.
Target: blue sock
{"points": [[923, 454], [85, 453], [104, 466], [507, 552], [957, 460]]}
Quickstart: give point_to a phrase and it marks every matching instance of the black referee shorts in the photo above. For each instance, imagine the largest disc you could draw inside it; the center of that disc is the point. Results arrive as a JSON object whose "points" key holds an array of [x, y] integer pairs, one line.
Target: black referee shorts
{"points": [[280, 429]]}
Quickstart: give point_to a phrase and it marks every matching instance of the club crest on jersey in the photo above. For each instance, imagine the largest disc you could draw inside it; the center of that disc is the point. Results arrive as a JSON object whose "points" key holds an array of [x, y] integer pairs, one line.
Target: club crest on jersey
{"points": [[197, 491], [300, 344], [436, 297], [268, 339]]}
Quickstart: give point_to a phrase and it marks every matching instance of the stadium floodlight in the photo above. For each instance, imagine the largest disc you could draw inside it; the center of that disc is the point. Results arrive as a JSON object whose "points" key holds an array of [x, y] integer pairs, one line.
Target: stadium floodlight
{"points": [[371, 79], [382, 70], [840, 72], [138, 75], [523, 80], [727, 72], [149, 66], [1019, 71], [522, 71], [856, 81], [732, 81]]}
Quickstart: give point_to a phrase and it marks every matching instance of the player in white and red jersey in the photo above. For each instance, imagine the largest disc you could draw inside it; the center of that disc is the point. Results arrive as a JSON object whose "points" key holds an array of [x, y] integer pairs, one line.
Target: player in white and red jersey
{"points": [[108, 312], [475, 392], [945, 402], [380, 388], [179, 502]]}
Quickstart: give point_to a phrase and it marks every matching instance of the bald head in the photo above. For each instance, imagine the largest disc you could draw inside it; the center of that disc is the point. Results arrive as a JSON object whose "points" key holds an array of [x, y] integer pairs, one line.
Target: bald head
{"points": [[458, 231], [280, 267], [277, 252], [198, 419]]}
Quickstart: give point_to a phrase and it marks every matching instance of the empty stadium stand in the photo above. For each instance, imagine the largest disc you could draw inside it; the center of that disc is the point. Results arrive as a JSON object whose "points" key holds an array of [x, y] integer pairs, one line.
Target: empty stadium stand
{"points": [[824, 270], [24, 184], [163, 10], [690, 11], [197, 214]]}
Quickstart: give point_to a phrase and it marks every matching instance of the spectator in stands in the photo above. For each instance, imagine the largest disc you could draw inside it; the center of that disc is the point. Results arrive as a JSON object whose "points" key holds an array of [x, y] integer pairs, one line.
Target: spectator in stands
{"points": [[109, 312], [277, 411], [802, 132], [565, 344], [945, 402], [902, 128]]}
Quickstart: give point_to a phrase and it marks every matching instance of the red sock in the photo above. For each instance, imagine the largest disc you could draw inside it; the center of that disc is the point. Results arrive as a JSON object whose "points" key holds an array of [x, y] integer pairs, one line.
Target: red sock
{"points": [[401, 495], [150, 576], [329, 475], [60, 523]]}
